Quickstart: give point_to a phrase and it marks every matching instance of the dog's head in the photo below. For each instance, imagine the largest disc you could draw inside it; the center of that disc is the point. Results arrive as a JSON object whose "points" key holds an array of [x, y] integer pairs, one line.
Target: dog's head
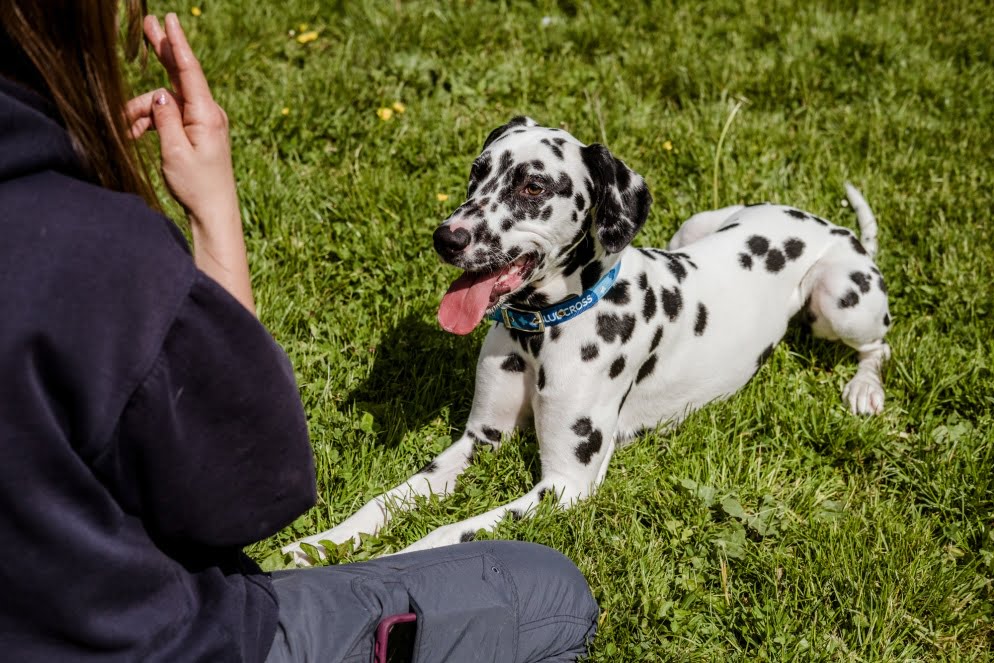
{"points": [[540, 204]]}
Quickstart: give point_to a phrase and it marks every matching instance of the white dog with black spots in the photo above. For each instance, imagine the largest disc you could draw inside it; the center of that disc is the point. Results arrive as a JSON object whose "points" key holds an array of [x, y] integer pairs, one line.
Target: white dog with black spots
{"points": [[595, 341]]}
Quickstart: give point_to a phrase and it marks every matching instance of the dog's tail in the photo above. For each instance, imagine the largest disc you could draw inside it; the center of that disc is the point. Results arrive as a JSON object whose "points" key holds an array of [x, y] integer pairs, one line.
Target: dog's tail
{"points": [[864, 215]]}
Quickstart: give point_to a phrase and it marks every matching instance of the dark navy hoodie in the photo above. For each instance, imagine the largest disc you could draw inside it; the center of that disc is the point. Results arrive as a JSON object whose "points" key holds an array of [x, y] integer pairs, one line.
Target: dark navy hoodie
{"points": [[149, 425]]}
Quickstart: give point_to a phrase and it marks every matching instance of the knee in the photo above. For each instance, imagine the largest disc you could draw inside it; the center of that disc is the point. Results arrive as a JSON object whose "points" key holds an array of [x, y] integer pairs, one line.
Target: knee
{"points": [[548, 583]]}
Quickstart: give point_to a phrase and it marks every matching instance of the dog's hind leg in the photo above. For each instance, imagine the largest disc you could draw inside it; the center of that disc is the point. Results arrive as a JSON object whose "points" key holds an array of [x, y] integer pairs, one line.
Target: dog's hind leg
{"points": [[701, 225], [504, 383], [849, 303]]}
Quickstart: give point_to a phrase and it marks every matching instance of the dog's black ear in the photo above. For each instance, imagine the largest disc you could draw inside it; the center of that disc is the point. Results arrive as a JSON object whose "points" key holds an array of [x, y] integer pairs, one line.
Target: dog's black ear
{"points": [[621, 199], [519, 121]]}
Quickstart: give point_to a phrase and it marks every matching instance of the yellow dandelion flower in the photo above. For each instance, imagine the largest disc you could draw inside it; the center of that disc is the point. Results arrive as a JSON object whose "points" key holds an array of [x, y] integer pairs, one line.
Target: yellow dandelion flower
{"points": [[303, 27], [307, 37], [384, 113], [442, 197], [285, 111], [196, 11], [668, 145], [398, 107]]}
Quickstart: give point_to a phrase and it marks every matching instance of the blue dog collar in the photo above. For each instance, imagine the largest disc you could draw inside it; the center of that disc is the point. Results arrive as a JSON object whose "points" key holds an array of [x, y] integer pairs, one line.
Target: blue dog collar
{"points": [[537, 321]]}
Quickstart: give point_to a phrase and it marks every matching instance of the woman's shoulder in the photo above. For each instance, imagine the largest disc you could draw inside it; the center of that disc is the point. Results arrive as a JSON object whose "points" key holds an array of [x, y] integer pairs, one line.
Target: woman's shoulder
{"points": [[50, 212]]}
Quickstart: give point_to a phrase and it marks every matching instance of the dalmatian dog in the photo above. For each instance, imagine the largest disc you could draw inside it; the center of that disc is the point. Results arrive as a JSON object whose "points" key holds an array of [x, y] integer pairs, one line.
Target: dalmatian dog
{"points": [[596, 341]]}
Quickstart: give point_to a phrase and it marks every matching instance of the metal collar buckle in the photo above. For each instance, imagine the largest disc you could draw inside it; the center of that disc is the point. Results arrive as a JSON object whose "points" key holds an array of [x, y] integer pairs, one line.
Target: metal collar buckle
{"points": [[510, 323]]}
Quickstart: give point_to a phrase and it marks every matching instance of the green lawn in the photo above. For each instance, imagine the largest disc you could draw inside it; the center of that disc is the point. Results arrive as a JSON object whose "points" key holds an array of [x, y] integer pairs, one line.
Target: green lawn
{"points": [[773, 526]]}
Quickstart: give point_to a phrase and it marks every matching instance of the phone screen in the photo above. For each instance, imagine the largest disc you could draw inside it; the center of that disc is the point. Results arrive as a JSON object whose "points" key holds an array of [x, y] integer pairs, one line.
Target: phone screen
{"points": [[400, 643]]}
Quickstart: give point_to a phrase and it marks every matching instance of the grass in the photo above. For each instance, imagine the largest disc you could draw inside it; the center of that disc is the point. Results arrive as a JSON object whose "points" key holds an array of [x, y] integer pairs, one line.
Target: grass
{"points": [[772, 526]]}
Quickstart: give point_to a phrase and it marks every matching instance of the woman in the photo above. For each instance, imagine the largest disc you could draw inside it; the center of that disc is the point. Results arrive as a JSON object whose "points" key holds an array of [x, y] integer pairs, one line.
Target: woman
{"points": [[150, 427]]}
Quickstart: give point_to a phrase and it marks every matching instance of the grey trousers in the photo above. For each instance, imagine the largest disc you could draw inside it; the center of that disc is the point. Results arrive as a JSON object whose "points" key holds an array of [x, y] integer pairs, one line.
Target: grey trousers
{"points": [[483, 601]]}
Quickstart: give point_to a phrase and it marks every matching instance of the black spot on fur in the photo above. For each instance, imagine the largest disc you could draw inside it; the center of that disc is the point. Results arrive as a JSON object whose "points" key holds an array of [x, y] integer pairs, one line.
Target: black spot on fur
{"points": [[467, 537], [745, 260], [506, 161], [611, 326], [618, 294], [793, 248], [881, 284], [564, 186], [886, 319], [849, 300], [647, 253], [589, 351], [555, 333], [545, 491], [515, 514], [649, 305], [617, 366], [775, 261], [541, 378], [839, 231], [643, 281], [728, 227], [429, 468], [534, 342], [507, 224], [672, 302], [656, 339], [491, 434], [646, 369], [579, 200], [586, 450], [579, 255], [758, 245], [676, 268], [684, 257], [582, 426], [590, 275], [514, 363], [702, 320], [856, 246], [861, 280], [538, 164], [797, 214]]}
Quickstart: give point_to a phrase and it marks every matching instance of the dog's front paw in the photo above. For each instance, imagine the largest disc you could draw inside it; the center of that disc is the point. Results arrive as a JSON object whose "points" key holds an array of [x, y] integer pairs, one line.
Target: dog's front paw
{"points": [[446, 535], [864, 394]]}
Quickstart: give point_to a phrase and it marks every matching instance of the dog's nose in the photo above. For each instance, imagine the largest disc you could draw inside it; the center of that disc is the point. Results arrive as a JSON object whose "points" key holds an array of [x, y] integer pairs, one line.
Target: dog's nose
{"points": [[449, 242]]}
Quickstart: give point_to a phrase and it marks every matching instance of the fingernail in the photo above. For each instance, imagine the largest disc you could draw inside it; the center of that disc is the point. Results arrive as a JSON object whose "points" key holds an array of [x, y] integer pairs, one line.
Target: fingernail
{"points": [[161, 99]]}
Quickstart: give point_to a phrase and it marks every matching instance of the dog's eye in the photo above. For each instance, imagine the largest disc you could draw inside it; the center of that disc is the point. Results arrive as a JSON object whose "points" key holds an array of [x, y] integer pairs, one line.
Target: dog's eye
{"points": [[534, 189]]}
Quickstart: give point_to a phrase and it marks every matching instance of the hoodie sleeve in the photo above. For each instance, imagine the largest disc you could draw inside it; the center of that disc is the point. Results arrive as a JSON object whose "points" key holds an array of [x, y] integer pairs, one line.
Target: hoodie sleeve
{"points": [[212, 446]]}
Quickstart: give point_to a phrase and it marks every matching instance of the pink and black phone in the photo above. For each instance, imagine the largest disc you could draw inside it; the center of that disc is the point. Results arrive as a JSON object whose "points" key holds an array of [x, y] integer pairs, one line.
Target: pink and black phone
{"points": [[395, 639]]}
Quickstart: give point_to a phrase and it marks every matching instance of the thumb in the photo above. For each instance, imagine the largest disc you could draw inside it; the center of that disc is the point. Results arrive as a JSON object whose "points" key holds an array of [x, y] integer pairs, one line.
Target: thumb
{"points": [[169, 121]]}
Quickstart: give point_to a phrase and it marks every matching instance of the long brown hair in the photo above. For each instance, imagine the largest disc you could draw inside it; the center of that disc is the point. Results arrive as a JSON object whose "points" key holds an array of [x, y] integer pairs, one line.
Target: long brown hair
{"points": [[67, 51]]}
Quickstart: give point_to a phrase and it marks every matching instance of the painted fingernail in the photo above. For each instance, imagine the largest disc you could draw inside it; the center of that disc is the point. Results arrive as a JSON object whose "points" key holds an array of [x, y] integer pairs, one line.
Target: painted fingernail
{"points": [[161, 99]]}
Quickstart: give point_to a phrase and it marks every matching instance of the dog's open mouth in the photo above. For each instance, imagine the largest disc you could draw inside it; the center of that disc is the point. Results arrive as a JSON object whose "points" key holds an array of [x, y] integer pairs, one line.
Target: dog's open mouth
{"points": [[474, 294]]}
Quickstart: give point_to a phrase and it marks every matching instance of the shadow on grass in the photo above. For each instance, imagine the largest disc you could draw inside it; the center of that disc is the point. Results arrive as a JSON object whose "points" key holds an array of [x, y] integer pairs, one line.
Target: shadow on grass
{"points": [[419, 372], [825, 355]]}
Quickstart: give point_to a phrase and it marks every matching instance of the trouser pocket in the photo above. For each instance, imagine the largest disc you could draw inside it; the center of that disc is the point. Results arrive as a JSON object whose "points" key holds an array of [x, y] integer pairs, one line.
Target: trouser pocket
{"points": [[467, 611]]}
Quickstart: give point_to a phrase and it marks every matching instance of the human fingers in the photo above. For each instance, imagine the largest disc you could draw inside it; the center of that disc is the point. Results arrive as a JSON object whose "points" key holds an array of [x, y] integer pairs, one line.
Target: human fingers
{"points": [[161, 47], [138, 112], [192, 82], [169, 123]]}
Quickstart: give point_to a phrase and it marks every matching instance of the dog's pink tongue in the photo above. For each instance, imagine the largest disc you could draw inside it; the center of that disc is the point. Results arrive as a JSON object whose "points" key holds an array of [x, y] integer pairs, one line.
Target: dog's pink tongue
{"points": [[465, 303]]}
